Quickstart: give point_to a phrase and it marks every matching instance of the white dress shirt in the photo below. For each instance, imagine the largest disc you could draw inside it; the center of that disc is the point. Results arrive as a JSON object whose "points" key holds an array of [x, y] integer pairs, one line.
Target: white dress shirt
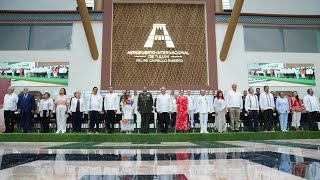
{"points": [[95, 102], [234, 99], [73, 105], [266, 101], [10, 102], [202, 104], [111, 101], [174, 105], [45, 105], [219, 105], [210, 102], [63, 70], [309, 71], [252, 102], [191, 103], [311, 103], [163, 103]]}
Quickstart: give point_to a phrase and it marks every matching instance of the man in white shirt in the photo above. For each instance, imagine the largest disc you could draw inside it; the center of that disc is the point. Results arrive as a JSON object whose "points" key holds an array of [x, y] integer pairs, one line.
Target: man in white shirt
{"points": [[267, 107], [163, 108], [63, 72], [252, 108], [32, 72], [311, 104], [25, 72], [234, 104], [94, 108], [111, 105], [9, 107], [202, 108], [43, 71], [309, 73], [191, 108]]}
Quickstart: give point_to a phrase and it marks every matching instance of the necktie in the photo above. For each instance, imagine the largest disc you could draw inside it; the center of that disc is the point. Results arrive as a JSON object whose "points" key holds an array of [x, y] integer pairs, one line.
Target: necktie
{"points": [[78, 106], [25, 97]]}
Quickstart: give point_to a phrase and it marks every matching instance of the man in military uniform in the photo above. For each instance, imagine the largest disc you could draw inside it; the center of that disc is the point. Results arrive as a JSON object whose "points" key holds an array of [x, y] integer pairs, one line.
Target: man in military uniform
{"points": [[145, 102]]}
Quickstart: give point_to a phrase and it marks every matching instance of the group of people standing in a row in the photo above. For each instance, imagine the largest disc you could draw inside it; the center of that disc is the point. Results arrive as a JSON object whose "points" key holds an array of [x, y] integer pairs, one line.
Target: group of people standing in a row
{"points": [[184, 107], [181, 109], [62, 105], [40, 72], [255, 106], [77, 106], [265, 106]]}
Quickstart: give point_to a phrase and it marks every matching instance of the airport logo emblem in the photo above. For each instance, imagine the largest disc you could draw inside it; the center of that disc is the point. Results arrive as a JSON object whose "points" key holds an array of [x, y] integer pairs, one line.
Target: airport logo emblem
{"points": [[159, 32]]}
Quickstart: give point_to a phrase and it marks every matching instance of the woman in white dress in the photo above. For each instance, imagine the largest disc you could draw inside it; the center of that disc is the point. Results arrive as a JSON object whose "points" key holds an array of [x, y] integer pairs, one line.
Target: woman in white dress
{"points": [[127, 109], [220, 112]]}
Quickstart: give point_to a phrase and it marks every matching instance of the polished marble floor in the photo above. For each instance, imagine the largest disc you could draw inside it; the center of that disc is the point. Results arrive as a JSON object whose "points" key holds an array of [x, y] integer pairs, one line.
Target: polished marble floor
{"points": [[225, 160]]}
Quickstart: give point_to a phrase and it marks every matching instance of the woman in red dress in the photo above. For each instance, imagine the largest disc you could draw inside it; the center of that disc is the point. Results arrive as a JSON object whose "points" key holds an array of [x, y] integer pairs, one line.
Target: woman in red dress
{"points": [[182, 123]]}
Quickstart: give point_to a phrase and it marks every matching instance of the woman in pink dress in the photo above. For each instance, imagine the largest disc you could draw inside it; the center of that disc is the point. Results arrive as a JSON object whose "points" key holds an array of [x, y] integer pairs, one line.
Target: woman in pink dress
{"points": [[182, 123], [61, 106]]}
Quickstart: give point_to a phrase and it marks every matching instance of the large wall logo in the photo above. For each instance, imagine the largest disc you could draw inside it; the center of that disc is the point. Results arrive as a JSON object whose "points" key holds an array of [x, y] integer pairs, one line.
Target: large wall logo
{"points": [[150, 47], [159, 32]]}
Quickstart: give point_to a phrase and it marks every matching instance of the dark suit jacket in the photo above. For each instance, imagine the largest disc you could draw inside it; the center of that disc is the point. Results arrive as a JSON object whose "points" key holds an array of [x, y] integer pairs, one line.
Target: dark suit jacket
{"points": [[145, 102], [26, 105]]}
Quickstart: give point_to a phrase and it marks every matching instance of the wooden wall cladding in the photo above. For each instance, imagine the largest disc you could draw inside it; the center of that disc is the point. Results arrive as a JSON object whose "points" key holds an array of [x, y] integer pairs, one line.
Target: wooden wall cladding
{"points": [[132, 24]]}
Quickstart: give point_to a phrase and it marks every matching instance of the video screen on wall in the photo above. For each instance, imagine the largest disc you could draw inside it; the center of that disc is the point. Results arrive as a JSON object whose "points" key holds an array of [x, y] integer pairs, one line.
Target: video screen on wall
{"points": [[281, 74], [35, 73]]}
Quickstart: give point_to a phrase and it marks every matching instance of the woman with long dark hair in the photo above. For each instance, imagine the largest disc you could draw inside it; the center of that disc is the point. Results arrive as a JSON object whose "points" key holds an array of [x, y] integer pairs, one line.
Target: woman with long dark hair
{"points": [[220, 111], [182, 123], [61, 106], [127, 109], [296, 108]]}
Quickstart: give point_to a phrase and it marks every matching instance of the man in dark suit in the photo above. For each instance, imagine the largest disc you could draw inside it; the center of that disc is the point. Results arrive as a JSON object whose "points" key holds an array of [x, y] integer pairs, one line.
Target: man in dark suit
{"points": [[26, 107], [145, 103]]}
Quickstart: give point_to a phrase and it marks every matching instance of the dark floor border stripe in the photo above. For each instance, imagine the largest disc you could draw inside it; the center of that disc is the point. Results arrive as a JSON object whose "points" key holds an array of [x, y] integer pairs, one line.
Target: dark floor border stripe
{"points": [[93, 145], [291, 144]]}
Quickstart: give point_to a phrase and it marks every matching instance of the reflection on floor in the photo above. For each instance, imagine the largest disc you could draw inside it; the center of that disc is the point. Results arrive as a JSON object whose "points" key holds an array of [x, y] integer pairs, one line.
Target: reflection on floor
{"points": [[285, 159], [140, 177]]}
